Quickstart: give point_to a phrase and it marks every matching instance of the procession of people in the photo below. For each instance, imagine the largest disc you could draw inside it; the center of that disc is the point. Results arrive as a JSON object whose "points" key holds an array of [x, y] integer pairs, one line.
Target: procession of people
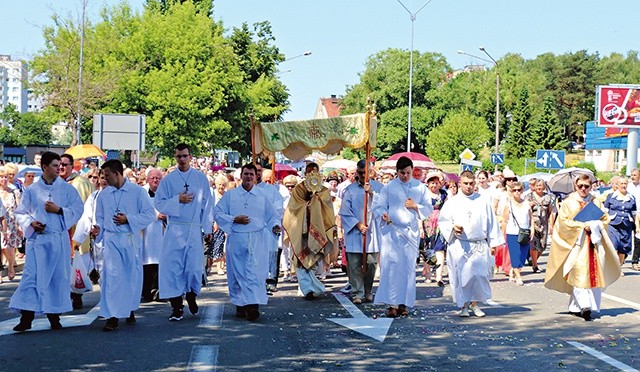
{"points": [[154, 235]]}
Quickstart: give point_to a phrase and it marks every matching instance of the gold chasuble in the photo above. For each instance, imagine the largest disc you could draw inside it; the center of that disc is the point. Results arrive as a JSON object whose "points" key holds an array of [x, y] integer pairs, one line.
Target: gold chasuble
{"points": [[574, 260], [309, 224], [85, 188]]}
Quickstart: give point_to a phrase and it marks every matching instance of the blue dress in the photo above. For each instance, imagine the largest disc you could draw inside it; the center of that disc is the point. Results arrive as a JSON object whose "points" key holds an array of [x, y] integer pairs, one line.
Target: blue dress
{"points": [[622, 211], [434, 239]]}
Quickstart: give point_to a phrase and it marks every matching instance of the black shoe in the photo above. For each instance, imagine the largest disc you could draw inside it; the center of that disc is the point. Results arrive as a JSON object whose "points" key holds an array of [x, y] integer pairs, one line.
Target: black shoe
{"points": [[21, 327], [176, 315], [586, 314], [131, 320], [191, 301], [536, 269], [26, 318], [54, 320], [440, 283], [241, 312], [253, 312], [112, 324], [309, 296]]}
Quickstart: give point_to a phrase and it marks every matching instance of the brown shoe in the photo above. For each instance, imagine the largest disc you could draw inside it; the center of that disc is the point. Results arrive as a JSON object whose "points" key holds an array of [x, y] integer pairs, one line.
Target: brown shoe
{"points": [[392, 312], [368, 297], [635, 267], [357, 301], [403, 311]]}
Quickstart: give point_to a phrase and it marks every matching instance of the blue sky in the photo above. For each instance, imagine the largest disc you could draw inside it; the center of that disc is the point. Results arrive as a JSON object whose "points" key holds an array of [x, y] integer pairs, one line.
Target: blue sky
{"points": [[341, 34]]}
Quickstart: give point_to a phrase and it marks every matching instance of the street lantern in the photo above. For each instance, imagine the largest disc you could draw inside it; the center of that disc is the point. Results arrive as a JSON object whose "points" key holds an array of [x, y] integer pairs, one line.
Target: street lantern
{"points": [[412, 16]]}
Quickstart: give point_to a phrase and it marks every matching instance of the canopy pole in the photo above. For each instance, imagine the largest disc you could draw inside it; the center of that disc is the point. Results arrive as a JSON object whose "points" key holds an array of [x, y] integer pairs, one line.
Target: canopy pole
{"points": [[367, 120], [253, 140]]}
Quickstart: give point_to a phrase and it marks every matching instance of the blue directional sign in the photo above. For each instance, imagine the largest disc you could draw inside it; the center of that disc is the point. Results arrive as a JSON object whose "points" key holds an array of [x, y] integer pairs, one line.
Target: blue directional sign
{"points": [[467, 167], [550, 159], [497, 158]]}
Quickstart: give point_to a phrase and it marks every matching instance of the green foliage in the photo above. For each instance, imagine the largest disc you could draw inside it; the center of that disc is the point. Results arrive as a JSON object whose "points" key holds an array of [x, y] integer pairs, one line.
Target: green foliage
{"points": [[547, 132], [458, 131], [588, 165], [171, 63], [518, 141], [29, 128]]}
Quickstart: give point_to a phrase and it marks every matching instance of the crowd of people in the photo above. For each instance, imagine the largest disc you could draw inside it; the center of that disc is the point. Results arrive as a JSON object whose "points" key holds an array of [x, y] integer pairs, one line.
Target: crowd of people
{"points": [[147, 232]]}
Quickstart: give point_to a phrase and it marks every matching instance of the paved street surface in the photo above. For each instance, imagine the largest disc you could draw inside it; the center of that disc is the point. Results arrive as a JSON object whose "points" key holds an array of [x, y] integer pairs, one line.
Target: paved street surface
{"points": [[526, 328]]}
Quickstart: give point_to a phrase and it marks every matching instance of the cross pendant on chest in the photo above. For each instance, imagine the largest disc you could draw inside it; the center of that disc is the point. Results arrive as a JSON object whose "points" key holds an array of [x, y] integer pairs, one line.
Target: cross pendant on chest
{"points": [[49, 196], [246, 204], [186, 187]]}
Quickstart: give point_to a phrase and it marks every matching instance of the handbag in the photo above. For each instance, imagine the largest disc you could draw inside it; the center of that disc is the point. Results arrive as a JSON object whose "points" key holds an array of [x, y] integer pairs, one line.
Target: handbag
{"points": [[79, 279], [524, 235]]}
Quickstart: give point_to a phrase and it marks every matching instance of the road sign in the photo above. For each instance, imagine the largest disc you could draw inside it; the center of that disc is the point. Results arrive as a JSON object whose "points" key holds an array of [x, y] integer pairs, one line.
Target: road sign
{"points": [[467, 154], [550, 159], [497, 158], [467, 167]]}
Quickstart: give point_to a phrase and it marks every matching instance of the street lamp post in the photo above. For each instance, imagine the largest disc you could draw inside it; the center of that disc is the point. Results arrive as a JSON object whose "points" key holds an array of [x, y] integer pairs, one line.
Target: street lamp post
{"points": [[412, 16], [307, 53], [492, 60]]}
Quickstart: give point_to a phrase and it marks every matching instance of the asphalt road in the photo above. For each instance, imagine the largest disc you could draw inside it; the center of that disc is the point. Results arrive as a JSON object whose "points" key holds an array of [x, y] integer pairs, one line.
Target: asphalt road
{"points": [[526, 328]]}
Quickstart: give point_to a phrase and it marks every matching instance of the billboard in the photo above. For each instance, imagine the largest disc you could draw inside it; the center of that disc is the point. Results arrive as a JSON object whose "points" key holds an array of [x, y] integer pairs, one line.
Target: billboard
{"points": [[119, 131], [618, 106]]}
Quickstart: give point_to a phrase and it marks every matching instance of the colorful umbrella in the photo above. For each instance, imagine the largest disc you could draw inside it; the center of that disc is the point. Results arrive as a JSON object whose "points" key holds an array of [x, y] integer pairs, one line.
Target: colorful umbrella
{"points": [[85, 151], [419, 160], [283, 170]]}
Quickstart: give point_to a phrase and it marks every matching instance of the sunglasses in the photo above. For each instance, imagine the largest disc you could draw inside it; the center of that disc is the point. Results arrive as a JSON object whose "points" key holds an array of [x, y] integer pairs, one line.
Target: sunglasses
{"points": [[583, 186], [291, 186], [516, 190], [93, 177], [65, 164]]}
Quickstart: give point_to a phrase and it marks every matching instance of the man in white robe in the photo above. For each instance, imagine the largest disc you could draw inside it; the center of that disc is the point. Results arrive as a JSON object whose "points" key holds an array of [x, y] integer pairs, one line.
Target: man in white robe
{"points": [[402, 206], [248, 217], [355, 229], [470, 227], [47, 210], [184, 197], [273, 195], [152, 238], [123, 209]]}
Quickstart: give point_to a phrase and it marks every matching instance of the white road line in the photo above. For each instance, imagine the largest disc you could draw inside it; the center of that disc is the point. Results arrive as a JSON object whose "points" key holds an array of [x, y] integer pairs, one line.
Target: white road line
{"points": [[605, 358], [212, 315], [621, 300], [349, 306], [204, 358]]}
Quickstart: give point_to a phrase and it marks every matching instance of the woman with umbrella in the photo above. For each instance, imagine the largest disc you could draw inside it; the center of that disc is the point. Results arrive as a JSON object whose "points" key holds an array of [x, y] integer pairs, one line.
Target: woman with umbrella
{"points": [[622, 213]]}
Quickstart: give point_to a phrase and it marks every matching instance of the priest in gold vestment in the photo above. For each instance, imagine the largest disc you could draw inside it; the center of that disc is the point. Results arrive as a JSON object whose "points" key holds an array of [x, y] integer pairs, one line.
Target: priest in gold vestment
{"points": [[309, 223], [582, 260]]}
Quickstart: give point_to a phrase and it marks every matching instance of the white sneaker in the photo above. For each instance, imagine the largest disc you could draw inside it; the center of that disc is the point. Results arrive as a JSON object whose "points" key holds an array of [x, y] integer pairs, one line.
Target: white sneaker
{"points": [[464, 312], [346, 289], [477, 311]]}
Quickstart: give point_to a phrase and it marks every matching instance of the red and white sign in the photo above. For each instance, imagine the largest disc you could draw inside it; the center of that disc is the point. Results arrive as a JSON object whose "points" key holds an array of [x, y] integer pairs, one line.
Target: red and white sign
{"points": [[618, 106]]}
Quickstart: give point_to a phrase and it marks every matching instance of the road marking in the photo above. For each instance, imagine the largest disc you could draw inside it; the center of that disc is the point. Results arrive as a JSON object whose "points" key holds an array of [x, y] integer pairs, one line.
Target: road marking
{"points": [[204, 358], [212, 315], [603, 357], [374, 328], [42, 323], [492, 303], [621, 300]]}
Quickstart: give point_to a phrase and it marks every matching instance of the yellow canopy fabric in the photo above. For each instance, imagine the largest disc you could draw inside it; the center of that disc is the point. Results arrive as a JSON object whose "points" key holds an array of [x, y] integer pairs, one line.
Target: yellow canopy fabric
{"points": [[297, 139]]}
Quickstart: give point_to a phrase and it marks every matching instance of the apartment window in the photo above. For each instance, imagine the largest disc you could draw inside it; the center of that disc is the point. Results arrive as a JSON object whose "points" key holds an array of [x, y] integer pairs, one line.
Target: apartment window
{"points": [[15, 80], [14, 89]]}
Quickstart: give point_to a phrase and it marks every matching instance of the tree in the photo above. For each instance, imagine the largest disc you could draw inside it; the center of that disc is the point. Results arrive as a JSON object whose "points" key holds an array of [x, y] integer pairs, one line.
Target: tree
{"points": [[163, 6], [386, 81], [458, 131], [29, 128], [519, 136], [548, 134]]}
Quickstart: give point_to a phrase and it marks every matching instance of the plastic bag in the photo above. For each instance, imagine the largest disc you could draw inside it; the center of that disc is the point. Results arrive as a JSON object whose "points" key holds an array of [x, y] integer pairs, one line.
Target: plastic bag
{"points": [[79, 279]]}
